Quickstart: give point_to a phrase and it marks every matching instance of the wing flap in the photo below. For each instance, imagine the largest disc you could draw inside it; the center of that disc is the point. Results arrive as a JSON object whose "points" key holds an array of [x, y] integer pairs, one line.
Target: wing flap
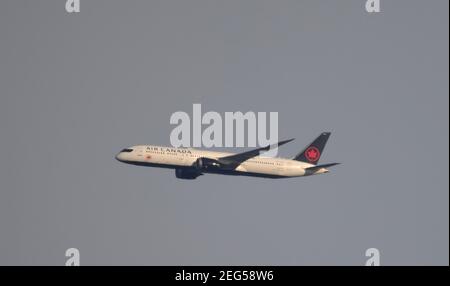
{"points": [[236, 159]]}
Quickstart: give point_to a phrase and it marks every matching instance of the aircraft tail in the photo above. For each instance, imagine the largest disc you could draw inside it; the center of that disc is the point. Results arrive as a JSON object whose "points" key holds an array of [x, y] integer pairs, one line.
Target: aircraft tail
{"points": [[311, 154]]}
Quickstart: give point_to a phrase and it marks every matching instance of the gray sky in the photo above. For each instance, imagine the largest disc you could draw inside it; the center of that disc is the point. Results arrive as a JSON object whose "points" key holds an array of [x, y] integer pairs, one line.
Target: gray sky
{"points": [[76, 88]]}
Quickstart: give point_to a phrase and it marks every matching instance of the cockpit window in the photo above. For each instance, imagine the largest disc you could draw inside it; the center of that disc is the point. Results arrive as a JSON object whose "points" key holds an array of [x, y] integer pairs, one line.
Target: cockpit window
{"points": [[127, 150]]}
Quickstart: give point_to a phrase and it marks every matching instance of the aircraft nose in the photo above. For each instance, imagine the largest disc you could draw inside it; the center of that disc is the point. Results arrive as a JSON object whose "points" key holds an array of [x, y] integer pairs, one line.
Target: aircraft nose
{"points": [[119, 157], [124, 154]]}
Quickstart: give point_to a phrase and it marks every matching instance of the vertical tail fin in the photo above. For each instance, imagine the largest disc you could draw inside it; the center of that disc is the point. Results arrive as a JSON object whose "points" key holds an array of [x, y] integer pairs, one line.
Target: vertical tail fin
{"points": [[311, 154]]}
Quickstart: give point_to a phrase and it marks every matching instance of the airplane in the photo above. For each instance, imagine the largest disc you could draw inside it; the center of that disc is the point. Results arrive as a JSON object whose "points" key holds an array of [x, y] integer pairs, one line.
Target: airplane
{"points": [[190, 163]]}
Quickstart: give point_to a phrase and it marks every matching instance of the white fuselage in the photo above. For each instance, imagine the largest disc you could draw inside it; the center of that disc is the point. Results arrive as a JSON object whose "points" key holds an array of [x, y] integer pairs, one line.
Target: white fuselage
{"points": [[169, 157]]}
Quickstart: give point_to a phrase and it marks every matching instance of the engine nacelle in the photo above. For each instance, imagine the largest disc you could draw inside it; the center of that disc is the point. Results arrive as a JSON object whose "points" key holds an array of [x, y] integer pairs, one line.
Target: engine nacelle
{"points": [[206, 163], [187, 174]]}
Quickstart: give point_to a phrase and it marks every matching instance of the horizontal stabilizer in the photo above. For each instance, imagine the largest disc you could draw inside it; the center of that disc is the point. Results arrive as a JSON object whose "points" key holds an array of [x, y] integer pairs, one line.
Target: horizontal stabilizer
{"points": [[313, 169]]}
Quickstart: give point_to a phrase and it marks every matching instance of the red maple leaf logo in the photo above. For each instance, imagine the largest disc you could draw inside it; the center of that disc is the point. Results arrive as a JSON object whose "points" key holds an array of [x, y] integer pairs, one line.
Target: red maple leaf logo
{"points": [[312, 154]]}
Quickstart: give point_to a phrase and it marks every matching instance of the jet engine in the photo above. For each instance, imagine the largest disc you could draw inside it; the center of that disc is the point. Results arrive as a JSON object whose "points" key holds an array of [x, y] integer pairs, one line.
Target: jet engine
{"points": [[188, 174], [206, 163]]}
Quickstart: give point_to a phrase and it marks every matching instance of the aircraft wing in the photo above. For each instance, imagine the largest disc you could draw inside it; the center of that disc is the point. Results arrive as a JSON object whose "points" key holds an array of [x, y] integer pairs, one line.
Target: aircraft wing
{"points": [[235, 160]]}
